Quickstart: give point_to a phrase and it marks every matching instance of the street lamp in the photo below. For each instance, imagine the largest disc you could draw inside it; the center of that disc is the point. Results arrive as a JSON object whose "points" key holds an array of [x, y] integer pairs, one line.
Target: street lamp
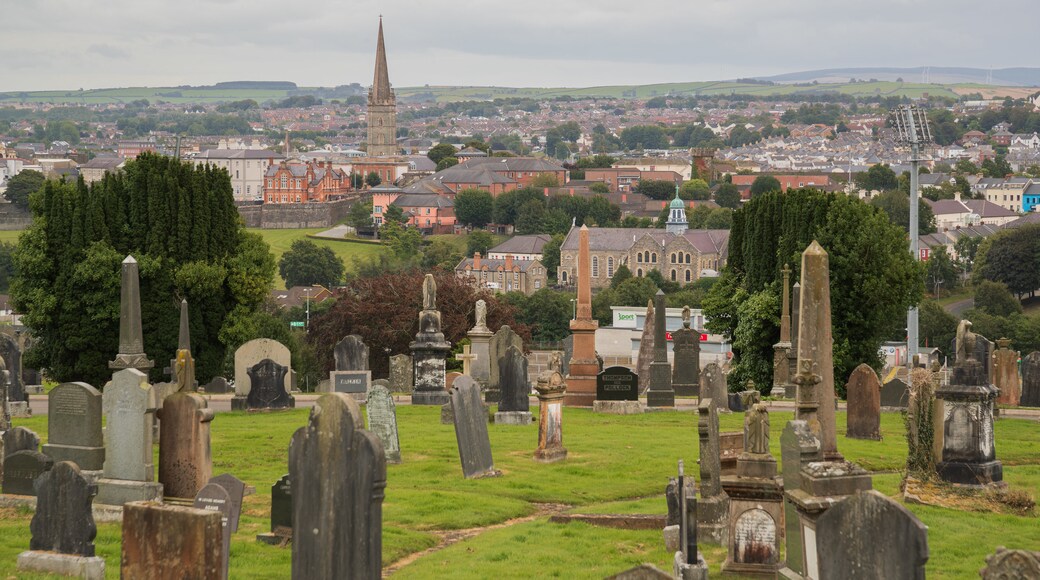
{"points": [[912, 125], [307, 293]]}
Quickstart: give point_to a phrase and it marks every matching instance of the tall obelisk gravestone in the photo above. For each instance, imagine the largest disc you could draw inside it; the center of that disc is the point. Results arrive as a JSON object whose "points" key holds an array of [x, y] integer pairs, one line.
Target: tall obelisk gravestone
{"points": [[581, 378], [660, 393], [782, 349], [131, 338]]}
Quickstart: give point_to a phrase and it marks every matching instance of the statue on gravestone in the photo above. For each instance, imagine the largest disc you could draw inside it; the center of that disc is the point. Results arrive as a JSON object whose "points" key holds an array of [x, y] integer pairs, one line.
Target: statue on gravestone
{"points": [[429, 293], [5, 413], [756, 428], [686, 316], [556, 361], [481, 314], [965, 342]]}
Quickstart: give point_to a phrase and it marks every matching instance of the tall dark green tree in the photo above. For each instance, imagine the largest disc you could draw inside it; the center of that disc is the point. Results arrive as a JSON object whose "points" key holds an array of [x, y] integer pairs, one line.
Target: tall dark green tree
{"points": [[180, 223], [21, 186], [474, 207], [307, 263], [764, 184]]}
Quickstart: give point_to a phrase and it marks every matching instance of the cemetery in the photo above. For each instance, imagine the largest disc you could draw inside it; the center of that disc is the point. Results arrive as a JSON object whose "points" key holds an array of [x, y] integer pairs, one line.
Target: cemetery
{"points": [[578, 471]]}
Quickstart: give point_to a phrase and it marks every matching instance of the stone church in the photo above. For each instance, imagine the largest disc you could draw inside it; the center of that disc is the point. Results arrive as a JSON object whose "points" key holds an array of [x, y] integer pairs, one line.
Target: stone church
{"points": [[382, 107]]}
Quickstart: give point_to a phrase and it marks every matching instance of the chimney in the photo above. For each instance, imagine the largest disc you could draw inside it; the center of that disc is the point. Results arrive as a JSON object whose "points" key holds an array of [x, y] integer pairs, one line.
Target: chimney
{"points": [[509, 262], [957, 195], [476, 260]]}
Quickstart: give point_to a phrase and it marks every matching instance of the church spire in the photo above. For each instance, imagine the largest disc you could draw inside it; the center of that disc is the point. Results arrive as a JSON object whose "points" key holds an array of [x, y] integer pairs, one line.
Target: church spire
{"points": [[381, 81]]}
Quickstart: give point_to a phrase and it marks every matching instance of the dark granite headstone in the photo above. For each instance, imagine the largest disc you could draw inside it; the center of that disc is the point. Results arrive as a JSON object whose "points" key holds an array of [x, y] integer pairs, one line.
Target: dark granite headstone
{"points": [[21, 469], [471, 430], [686, 370], [354, 382], [351, 354], [1030, 380], [671, 496], [20, 439], [236, 489], [12, 356], [267, 380], [74, 421], [500, 342], [736, 403], [338, 474], [214, 498], [217, 386], [869, 536], [864, 404], [513, 383], [63, 521], [617, 384], [894, 394], [281, 506]]}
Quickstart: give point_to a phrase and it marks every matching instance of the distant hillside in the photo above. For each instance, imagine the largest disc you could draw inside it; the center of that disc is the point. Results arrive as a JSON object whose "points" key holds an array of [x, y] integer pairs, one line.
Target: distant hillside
{"points": [[1011, 77]]}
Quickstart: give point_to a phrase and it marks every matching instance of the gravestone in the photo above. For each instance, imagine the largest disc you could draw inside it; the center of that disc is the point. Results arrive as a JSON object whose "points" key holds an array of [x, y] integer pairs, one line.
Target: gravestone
{"points": [[798, 446], [167, 541], [217, 386], [382, 419], [129, 406], [514, 405], [686, 354], [500, 342], [894, 394], [617, 392], [214, 498], [351, 382], [864, 404], [401, 373], [1030, 380], [429, 351], [74, 421], [281, 513], [688, 563], [713, 508], [1005, 373], [63, 527], [236, 489], [20, 439], [983, 352], [338, 474], [21, 469], [185, 462], [1007, 564], [480, 345], [12, 357], [645, 356], [551, 390], [471, 431], [869, 536], [713, 386], [659, 393], [267, 387], [568, 354], [247, 356], [351, 354], [449, 379]]}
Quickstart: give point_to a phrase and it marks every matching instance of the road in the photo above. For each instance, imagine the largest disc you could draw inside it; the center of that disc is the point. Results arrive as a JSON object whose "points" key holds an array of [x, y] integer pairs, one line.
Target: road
{"points": [[957, 308]]}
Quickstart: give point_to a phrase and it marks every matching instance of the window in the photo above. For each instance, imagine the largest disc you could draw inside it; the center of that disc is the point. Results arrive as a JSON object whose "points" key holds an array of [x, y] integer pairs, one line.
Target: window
{"points": [[285, 182], [297, 198], [610, 266], [516, 276], [687, 275], [270, 183], [687, 258], [538, 283], [653, 258], [673, 274], [639, 272], [595, 266], [377, 209], [639, 258]]}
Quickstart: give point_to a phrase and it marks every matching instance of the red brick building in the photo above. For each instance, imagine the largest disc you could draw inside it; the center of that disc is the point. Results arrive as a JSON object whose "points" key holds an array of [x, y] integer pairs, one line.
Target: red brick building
{"points": [[786, 181], [304, 182]]}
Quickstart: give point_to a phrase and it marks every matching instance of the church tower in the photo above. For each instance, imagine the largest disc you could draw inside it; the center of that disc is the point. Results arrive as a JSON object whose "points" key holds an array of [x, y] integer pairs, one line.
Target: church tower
{"points": [[677, 223], [382, 107]]}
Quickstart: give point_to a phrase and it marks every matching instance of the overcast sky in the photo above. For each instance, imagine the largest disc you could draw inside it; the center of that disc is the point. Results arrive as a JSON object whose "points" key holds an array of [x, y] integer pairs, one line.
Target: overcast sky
{"points": [[69, 44]]}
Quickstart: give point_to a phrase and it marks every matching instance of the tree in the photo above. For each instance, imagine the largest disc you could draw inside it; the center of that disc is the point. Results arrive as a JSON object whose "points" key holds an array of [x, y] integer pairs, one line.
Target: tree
{"points": [[551, 255], [720, 218], [728, 196], [547, 313], [360, 214], [656, 188], [695, 189], [543, 180], [180, 224], [479, 241], [620, 275], [405, 243], [896, 205], [937, 326], [599, 187], [395, 214], [440, 151], [874, 279], [994, 298], [21, 186], [966, 167], [764, 184], [644, 137], [373, 179], [530, 218], [967, 248], [7, 272], [999, 167], [508, 203], [447, 162], [474, 207], [940, 271], [635, 292], [879, 177], [1011, 257], [306, 263]]}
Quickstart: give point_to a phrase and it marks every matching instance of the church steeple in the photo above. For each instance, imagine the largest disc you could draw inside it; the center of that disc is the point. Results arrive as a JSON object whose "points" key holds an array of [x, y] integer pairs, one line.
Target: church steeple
{"points": [[381, 90], [677, 223], [382, 107]]}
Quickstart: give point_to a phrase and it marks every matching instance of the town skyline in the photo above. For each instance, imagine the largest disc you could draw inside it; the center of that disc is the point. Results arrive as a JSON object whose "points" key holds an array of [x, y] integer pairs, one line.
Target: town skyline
{"points": [[128, 44]]}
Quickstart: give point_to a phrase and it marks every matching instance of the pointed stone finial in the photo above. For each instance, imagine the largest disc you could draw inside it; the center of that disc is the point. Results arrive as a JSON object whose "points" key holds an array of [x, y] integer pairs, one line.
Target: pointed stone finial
{"points": [[584, 311], [184, 338], [131, 337]]}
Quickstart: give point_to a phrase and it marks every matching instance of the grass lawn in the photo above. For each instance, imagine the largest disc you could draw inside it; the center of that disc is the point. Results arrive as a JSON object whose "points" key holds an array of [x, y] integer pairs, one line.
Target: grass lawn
{"points": [[617, 464], [350, 251], [10, 236]]}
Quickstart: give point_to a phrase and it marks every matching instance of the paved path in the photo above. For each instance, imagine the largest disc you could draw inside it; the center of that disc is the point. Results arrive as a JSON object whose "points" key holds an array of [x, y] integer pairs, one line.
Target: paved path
{"points": [[957, 308]]}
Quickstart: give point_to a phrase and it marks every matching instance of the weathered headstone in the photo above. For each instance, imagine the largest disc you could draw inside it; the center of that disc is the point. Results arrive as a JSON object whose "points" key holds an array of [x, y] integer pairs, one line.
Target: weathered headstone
{"points": [[74, 421], [864, 404], [214, 498], [185, 462], [20, 439], [1005, 373], [471, 431], [449, 379], [645, 356], [351, 354], [894, 394], [921, 425], [236, 489], [896, 545], [515, 388], [1030, 380], [568, 354], [1007, 564], [267, 387], [338, 474], [401, 373], [713, 386], [551, 389], [131, 338], [63, 527], [21, 469], [659, 393], [247, 356], [713, 508], [983, 350], [11, 354], [217, 386], [688, 563], [798, 446], [500, 342], [584, 364], [617, 392], [281, 513], [129, 474], [164, 541], [429, 351], [480, 345], [382, 419], [466, 357], [686, 355]]}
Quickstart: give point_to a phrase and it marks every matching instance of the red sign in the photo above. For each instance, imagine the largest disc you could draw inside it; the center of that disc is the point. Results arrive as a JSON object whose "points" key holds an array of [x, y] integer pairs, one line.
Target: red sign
{"points": [[667, 335], [704, 338], [924, 254]]}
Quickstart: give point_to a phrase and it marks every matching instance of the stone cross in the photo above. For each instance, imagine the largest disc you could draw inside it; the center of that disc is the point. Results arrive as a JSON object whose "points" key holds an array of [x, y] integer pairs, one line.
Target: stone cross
{"points": [[131, 338], [467, 359]]}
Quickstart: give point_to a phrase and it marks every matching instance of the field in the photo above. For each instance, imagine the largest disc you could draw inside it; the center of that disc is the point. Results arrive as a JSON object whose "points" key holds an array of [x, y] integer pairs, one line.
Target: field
{"points": [[498, 527], [349, 251]]}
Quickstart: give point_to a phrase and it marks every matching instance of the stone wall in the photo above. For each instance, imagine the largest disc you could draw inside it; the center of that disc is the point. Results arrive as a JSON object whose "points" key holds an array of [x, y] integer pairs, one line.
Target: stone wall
{"points": [[12, 218], [538, 362], [294, 215]]}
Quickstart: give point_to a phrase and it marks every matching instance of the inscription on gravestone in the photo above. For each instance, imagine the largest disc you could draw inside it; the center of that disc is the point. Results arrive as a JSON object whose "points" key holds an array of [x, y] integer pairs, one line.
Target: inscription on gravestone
{"points": [[214, 498], [382, 420], [267, 390], [617, 384], [351, 381], [236, 489], [74, 418], [21, 469]]}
